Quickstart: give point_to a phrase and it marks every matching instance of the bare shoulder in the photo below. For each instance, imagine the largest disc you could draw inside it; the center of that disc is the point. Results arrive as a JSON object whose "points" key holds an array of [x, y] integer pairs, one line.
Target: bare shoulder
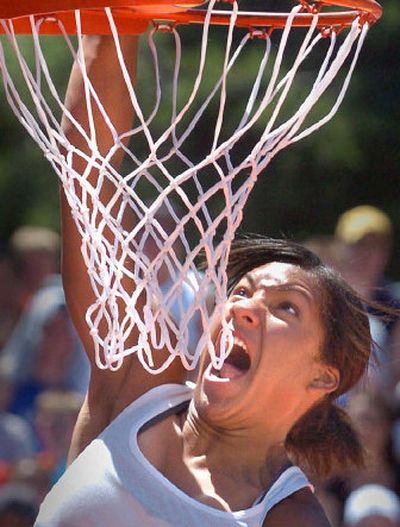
{"points": [[110, 393], [301, 509]]}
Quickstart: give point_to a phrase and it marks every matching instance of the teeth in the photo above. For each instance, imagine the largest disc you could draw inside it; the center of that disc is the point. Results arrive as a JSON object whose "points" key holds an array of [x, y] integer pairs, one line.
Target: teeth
{"points": [[231, 341], [240, 343]]}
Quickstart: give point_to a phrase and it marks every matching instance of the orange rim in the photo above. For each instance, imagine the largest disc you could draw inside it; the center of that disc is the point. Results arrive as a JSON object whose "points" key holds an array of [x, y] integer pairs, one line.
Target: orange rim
{"points": [[133, 16]]}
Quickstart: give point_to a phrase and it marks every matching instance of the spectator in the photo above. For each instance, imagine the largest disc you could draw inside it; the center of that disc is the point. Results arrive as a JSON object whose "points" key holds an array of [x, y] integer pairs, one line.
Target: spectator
{"points": [[18, 506], [373, 420], [366, 233], [16, 438], [372, 506], [32, 473], [9, 309], [16, 434], [55, 417], [44, 351], [35, 255]]}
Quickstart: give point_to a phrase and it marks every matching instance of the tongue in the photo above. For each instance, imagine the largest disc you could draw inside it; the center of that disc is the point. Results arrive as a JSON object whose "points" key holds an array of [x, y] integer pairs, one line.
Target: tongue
{"points": [[229, 371]]}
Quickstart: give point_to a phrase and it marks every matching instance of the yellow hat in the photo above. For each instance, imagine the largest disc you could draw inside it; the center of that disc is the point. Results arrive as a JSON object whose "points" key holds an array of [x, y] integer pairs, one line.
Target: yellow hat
{"points": [[356, 223]]}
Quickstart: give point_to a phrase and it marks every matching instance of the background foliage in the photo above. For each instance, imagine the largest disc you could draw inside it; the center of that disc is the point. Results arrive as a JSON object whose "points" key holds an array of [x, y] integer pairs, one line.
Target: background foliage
{"points": [[355, 159]]}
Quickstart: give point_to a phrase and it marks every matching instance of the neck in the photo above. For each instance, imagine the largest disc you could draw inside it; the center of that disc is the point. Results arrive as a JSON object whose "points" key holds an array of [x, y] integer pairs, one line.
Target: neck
{"points": [[229, 451]]}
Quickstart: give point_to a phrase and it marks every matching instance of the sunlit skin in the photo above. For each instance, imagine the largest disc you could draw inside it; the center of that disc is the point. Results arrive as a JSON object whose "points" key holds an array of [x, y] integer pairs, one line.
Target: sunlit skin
{"points": [[227, 447], [275, 313]]}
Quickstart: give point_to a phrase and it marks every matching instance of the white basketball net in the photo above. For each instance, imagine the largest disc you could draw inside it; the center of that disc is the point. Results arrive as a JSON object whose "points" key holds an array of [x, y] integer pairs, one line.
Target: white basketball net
{"points": [[202, 199]]}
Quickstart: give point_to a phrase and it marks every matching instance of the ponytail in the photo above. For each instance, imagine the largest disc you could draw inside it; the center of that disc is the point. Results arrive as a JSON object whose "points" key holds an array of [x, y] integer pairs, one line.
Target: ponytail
{"points": [[325, 440]]}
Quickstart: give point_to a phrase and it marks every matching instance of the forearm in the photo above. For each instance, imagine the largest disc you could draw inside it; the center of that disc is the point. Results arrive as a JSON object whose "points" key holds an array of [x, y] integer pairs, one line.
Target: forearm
{"points": [[109, 391], [104, 71]]}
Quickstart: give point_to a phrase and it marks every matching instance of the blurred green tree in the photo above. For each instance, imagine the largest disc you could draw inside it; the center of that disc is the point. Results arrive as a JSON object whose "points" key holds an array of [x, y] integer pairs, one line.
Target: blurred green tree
{"points": [[354, 159]]}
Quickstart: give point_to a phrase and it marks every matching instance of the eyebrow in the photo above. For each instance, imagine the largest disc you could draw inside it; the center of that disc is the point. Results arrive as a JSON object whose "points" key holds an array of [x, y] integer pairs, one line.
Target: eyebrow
{"points": [[290, 287]]}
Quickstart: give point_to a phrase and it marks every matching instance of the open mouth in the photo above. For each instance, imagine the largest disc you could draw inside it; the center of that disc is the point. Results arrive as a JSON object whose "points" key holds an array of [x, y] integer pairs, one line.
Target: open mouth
{"points": [[236, 364]]}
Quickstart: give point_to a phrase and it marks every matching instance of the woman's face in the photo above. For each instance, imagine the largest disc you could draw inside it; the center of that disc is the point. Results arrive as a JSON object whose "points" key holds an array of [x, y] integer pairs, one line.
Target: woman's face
{"points": [[273, 369]]}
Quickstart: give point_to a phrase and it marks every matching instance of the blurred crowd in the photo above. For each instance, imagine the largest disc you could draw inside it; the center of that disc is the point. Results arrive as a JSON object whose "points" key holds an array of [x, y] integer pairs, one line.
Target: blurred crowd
{"points": [[361, 249], [44, 374]]}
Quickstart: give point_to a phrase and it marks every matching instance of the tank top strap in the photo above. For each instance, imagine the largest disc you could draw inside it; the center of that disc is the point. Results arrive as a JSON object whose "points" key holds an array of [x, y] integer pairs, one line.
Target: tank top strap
{"points": [[290, 481]]}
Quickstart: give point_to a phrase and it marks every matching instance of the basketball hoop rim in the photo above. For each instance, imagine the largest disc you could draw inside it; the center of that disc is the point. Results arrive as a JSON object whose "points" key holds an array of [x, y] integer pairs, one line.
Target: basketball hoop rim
{"points": [[136, 14]]}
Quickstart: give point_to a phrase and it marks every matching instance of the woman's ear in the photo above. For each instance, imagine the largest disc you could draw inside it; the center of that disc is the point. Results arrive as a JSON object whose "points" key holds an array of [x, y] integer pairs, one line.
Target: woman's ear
{"points": [[326, 379]]}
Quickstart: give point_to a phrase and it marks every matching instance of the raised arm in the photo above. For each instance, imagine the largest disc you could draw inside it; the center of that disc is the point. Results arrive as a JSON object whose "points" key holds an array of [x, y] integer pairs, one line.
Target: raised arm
{"points": [[109, 392], [105, 74]]}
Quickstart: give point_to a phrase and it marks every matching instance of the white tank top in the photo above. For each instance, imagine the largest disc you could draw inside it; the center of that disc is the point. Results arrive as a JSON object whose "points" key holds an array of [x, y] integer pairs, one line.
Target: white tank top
{"points": [[112, 484]]}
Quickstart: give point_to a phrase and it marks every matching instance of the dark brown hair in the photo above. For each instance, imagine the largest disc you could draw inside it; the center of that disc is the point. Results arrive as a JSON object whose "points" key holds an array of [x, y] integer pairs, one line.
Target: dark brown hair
{"points": [[323, 438]]}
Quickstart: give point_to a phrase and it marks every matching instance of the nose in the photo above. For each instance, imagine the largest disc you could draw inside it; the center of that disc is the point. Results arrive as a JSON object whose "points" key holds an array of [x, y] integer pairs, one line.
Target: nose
{"points": [[245, 313]]}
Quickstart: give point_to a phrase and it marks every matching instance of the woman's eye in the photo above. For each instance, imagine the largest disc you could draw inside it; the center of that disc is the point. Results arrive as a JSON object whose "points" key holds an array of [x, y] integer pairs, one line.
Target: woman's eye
{"points": [[288, 307], [241, 291]]}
